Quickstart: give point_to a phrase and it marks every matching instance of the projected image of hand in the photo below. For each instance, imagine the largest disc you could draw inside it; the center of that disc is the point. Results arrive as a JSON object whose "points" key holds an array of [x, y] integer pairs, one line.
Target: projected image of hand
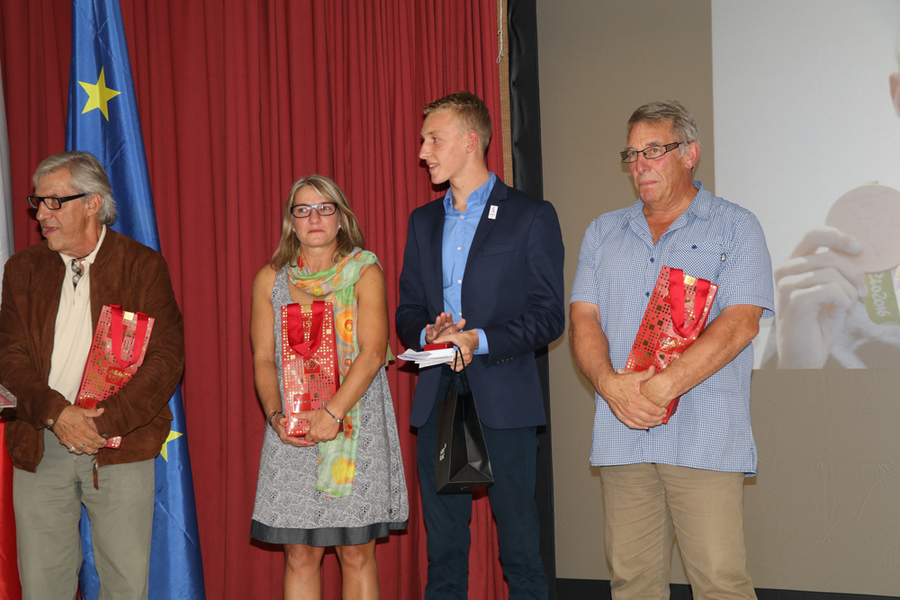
{"points": [[814, 292]]}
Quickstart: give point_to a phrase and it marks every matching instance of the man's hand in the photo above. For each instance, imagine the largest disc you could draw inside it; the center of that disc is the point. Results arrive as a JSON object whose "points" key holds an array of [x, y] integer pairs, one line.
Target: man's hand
{"points": [[814, 293], [76, 430], [653, 389], [442, 324], [465, 341], [445, 330], [622, 392]]}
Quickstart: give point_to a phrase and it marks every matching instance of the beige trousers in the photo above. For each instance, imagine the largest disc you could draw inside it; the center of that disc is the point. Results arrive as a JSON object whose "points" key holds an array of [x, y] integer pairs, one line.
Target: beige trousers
{"points": [[647, 504], [48, 507]]}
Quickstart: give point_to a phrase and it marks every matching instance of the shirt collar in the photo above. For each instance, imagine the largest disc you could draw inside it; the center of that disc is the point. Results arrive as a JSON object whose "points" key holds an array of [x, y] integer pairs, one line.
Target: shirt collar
{"points": [[89, 259], [476, 200], [701, 205]]}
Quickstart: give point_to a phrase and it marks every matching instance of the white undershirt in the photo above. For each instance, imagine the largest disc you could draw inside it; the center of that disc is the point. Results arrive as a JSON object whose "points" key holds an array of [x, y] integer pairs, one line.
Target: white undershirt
{"points": [[74, 330]]}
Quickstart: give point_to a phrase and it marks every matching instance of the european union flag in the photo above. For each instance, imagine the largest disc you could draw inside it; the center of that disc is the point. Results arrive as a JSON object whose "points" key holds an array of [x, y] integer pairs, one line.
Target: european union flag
{"points": [[103, 120]]}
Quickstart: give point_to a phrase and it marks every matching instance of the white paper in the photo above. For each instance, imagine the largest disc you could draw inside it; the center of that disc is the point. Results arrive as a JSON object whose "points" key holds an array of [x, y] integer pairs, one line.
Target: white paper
{"points": [[429, 358]]}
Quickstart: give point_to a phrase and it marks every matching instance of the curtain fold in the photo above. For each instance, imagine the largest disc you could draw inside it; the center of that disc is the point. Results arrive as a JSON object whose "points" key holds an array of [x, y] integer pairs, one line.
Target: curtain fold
{"points": [[237, 100]]}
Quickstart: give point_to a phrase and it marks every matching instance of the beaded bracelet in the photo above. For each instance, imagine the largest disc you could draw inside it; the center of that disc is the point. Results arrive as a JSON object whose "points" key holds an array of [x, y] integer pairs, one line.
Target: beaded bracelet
{"points": [[332, 415], [272, 414]]}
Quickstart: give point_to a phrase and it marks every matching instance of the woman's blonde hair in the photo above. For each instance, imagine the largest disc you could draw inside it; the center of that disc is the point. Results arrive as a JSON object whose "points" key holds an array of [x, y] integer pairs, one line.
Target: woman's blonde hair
{"points": [[349, 234]]}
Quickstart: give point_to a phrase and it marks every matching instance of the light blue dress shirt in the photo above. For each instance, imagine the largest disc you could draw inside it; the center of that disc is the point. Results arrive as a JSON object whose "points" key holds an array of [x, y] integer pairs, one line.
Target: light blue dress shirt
{"points": [[458, 233]]}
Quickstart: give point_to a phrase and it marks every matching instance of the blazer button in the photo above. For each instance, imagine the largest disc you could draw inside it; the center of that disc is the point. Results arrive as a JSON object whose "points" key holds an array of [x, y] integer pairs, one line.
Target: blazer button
{"points": [[49, 422]]}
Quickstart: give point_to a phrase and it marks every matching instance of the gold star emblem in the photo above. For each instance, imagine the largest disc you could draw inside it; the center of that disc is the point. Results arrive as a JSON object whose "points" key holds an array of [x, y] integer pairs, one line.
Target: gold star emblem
{"points": [[164, 450], [98, 95]]}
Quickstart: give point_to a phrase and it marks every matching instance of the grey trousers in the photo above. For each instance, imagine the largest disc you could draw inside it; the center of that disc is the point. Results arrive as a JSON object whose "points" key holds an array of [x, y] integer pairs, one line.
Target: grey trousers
{"points": [[48, 508]]}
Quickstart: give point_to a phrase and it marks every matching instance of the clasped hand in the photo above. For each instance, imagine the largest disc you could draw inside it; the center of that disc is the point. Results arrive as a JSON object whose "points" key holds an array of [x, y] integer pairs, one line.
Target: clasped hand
{"points": [[625, 395], [322, 428], [76, 430], [445, 330]]}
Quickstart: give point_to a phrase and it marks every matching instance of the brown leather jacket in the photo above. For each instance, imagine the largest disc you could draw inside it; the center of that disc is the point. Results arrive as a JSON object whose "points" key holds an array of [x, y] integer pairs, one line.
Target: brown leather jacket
{"points": [[125, 273]]}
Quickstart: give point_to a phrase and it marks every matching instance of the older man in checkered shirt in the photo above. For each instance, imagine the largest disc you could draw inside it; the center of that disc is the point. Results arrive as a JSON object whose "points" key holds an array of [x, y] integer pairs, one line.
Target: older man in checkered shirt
{"points": [[683, 478]]}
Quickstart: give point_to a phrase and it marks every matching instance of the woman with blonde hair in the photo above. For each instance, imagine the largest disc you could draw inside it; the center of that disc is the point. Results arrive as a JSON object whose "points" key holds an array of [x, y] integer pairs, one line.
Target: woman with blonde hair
{"points": [[348, 489]]}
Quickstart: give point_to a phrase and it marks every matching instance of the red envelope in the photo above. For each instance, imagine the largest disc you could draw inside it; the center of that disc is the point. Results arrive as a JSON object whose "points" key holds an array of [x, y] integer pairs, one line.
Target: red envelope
{"points": [[118, 349], [677, 313], [309, 361]]}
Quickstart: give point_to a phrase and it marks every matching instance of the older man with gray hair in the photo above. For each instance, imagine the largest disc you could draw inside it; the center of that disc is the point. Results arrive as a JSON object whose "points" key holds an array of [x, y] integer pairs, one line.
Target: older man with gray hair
{"points": [[53, 293], [682, 478]]}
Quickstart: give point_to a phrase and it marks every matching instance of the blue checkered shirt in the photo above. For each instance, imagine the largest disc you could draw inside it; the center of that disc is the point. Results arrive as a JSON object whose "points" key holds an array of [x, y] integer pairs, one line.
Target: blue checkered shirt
{"points": [[617, 270]]}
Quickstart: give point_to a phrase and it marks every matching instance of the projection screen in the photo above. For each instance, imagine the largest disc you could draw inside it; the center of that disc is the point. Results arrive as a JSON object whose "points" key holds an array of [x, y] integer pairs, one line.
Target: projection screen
{"points": [[807, 126]]}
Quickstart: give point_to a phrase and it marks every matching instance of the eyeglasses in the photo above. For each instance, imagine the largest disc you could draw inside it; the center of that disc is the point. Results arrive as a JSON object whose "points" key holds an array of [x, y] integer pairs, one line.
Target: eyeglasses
{"points": [[325, 209], [51, 202], [650, 152]]}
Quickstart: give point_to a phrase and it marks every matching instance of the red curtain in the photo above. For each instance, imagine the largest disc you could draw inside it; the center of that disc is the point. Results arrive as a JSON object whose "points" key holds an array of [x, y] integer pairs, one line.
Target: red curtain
{"points": [[237, 100]]}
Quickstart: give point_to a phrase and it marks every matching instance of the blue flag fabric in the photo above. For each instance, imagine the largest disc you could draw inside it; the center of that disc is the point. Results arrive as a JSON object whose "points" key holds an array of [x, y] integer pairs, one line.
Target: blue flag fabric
{"points": [[103, 120]]}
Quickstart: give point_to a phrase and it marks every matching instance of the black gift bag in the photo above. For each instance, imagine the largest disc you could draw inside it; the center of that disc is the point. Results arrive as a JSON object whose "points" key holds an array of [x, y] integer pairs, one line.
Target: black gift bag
{"points": [[461, 462]]}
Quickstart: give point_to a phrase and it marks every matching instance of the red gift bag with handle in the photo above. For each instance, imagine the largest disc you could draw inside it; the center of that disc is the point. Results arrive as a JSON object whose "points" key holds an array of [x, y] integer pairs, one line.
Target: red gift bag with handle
{"points": [[309, 361], [117, 350], [676, 314]]}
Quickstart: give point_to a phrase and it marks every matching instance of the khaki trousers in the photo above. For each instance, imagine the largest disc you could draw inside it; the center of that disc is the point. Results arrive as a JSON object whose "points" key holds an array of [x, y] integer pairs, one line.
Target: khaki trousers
{"points": [[48, 508], [647, 504]]}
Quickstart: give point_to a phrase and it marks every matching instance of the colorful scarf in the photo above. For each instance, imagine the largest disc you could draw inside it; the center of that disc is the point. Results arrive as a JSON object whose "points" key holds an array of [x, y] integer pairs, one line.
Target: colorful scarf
{"points": [[337, 458]]}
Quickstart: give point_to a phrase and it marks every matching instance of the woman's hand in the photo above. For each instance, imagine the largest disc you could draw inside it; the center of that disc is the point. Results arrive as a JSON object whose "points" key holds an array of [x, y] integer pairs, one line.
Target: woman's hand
{"points": [[322, 426], [279, 423]]}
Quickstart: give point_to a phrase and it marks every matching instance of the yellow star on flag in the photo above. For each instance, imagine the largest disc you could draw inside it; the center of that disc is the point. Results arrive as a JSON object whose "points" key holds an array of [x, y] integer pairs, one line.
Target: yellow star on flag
{"points": [[98, 95], [164, 450]]}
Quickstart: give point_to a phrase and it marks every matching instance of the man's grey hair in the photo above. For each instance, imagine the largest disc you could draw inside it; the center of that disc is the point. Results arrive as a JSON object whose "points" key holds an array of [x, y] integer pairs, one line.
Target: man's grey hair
{"points": [[683, 124], [88, 176]]}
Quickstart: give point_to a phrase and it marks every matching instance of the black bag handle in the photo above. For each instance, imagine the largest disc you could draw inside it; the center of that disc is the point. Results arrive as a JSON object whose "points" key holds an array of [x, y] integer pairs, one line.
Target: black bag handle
{"points": [[461, 374]]}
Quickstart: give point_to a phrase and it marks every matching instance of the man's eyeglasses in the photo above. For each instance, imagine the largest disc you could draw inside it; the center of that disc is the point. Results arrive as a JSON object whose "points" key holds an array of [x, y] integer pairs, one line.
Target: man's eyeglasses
{"points": [[325, 209], [51, 202], [650, 152]]}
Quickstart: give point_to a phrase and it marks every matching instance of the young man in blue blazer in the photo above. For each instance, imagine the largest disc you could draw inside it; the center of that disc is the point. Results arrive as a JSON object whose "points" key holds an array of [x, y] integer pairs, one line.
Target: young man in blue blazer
{"points": [[483, 269]]}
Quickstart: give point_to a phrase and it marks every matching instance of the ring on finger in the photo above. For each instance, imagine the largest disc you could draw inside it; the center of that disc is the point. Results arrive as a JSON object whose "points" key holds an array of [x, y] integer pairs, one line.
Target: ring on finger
{"points": [[81, 448]]}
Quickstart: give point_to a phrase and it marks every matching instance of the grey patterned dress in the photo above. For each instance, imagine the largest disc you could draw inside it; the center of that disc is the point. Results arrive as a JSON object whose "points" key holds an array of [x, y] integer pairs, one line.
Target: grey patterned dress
{"points": [[289, 509]]}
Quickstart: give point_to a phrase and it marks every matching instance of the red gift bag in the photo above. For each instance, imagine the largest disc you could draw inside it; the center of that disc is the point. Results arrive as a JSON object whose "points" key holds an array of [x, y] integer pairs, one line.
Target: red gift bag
{"points": [[309, 361], [677, 313], [118, 349]]}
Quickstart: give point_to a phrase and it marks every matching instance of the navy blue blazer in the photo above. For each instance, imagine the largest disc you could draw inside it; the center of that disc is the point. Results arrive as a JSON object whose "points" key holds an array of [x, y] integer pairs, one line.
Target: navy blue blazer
{"points": [[512, 289]]}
